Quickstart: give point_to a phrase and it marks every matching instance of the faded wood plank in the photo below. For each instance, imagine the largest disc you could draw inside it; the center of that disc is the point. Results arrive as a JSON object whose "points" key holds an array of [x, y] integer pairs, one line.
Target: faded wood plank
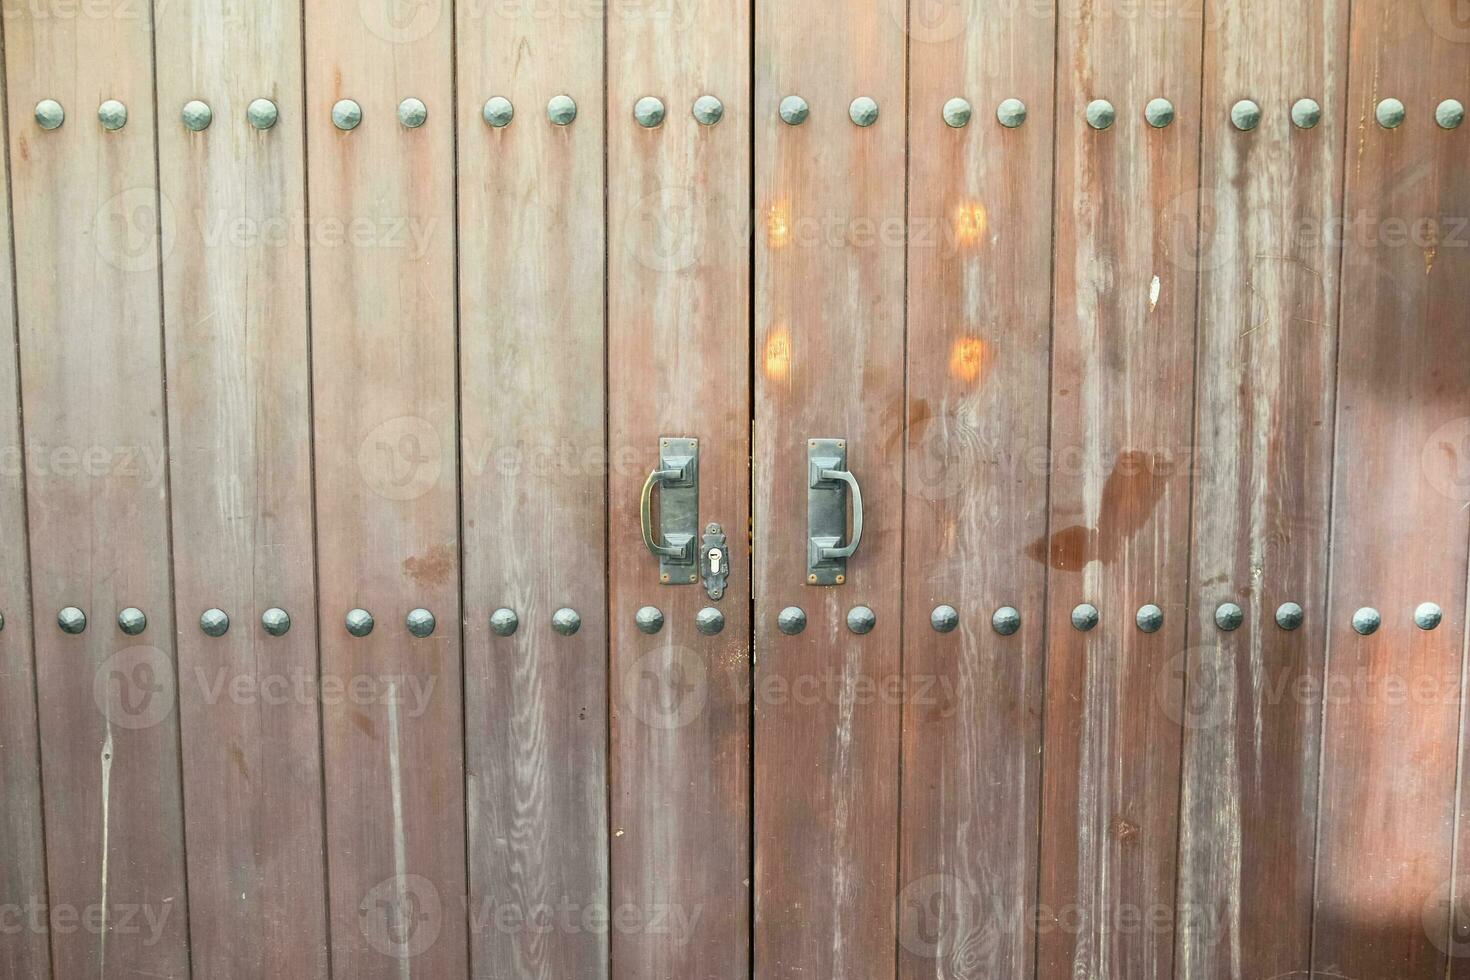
{"points": [[531, 242], [87, 219], [384, 374], [240, 437], [979, 295], [679, 347]]}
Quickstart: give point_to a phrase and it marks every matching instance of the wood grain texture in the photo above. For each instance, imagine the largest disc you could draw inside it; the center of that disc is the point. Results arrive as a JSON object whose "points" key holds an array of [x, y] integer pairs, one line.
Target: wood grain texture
{"points": [[679, 348], [829, 314], [1123, 357], [1400, 526], [979, 296], [240, 436], [87, 218], [531, 242], [384, 369]]}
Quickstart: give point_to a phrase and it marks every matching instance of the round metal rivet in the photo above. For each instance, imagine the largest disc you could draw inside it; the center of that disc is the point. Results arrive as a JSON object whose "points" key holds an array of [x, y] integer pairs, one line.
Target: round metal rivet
{"points": [[1449, 114], [498, 112], [359, 622], [71, 620], [276, 621], [1366, 621], [1306, 113], [262, 113], [1006, 621], [561, 110], [861, 619], [412, 113], [649, 112], [420, 623], [1289, 616], [957, 113], [566, 621], [1229, 616], [1100, 114], [708, 110], [1428, 616], [791, 621], [944, 619], [49, 114], [112, 114], [214, 622], [649, 620], [1011, 113], [1150, 618], [503, 622], [863, 111], [197, 115], [1390, 113], [132, 621], [794, 110], [1245, 115], [709, 621], [1085, 617], [1159, 113], [346, 115]]}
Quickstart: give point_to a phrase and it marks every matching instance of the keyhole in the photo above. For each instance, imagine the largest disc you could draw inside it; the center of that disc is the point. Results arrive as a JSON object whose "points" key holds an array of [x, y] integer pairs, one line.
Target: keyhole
{"points": [[715, 554]]}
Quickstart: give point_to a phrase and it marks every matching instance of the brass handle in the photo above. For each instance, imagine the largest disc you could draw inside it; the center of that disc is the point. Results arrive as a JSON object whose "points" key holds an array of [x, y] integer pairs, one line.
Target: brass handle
{"points": [[645, 509]]}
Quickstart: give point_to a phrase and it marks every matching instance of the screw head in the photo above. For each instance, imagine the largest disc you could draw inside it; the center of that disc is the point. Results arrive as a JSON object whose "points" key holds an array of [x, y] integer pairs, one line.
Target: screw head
{"points": [[944, 619], [1085, 617], [498, 112], [956, 113], [1150, 618], [71, 620], [346, 115], [1366, 621], [1006, 621], [1245, 115], [359, 622], [1449, 114], [1289, 616], [1101, 114], [861, 619], [649, 620], [132, 621], [794, 110], [1390, 113], [420, 622], [1229, 616], [863, 111], [1428, 616], [214, 622], [709, 621], [649, 112], [113, 115], [262, 113], [1159, 113], [412, 113], [1011, 113], [561, 110], [566, 621], [276, 621], [791, 621], [708, 110], [49, 114], [196, 116], [1306, 113], [503, 622]]}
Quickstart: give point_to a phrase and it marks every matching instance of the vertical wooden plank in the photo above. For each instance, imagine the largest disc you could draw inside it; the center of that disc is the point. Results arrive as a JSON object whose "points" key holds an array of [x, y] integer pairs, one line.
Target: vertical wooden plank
{"points": [[1400, 527], [1119, 526], [240, 432], [532, 362], [829, 315], [979, 295], [679, 348], [384, 373], [86, 213], [1262, 489]]}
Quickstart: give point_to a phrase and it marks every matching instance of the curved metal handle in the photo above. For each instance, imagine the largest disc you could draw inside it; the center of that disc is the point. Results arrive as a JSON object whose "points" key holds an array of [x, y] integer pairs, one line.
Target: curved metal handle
{"points": [[856, 537], [646, 513]]}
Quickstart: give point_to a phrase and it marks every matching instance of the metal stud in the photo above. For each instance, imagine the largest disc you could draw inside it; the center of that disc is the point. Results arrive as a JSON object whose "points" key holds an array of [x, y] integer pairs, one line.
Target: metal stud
{"points": [[1229, 616], [1150, 618], [944, 619], [1366, 621], [2, 621], [791, 621], [1006, 621], [132, 621], [1085, 617], [197, 116], [861, 619], [276, 621], [794, 110], [1245, 115], [1390, 113], [1011, 113], [649, 112], [113, 115], [498, 112], [359, 622], [346, 115], [1159, 113], [649, 619], [957, 113], [863, 111], [214, 622], [1449, 114], [503, 622], [1306, 113], [1289, 616], [412, 113], [262, 113], [566, 621], [1100, 114], [1428, 616], [708, 110], [420, 623], [71, 620], [709, 621], [561, 110], [49, 114]]}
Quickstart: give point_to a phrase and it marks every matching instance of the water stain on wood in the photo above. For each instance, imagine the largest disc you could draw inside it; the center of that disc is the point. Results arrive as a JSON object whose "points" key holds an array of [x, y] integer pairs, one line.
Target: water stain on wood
{"points": [[1133, 489], [432, 568]]}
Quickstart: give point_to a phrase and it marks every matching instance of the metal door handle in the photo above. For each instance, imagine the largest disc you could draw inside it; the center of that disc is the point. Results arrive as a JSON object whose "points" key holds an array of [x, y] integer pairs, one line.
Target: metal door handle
{"points": [[828, 484], [855, 538], [673, 541], [645, 508]]}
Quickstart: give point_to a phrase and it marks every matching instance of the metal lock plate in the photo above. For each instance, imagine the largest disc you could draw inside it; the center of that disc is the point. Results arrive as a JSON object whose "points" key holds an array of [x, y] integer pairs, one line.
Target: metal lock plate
{"points": [[828, 486], [677, 479], [714, 553]]}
